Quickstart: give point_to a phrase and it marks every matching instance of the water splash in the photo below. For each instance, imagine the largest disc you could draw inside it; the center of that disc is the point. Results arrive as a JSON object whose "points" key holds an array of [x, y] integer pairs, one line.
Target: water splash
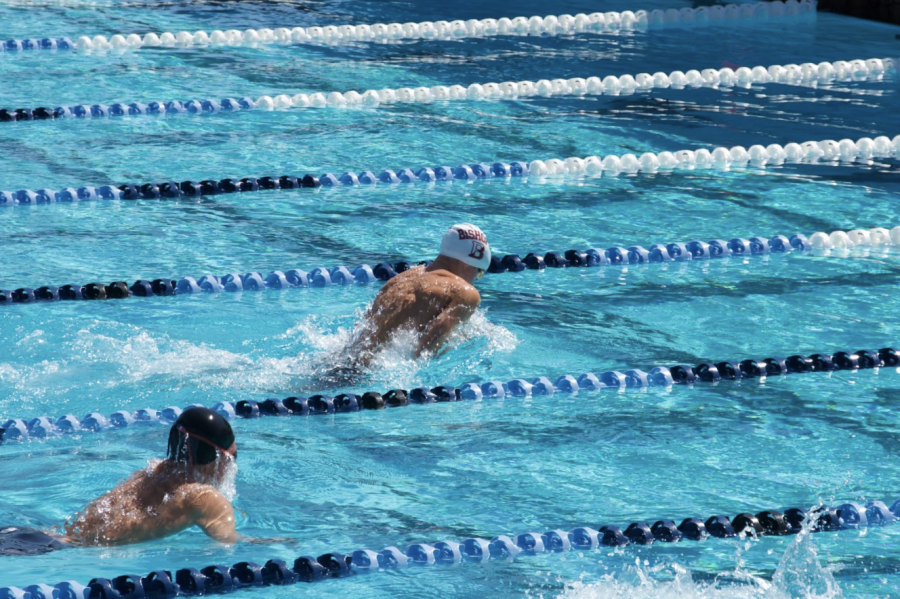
{"points": [[322, 333], [498, 338], [143, 358], [396, 364], [799, 573], [799, 576], [141, 365], [661, 582], [225, 483]]}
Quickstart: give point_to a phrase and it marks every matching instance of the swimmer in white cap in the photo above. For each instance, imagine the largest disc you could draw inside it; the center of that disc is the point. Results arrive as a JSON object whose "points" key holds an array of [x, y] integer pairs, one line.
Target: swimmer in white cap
{"points": [[428, 300]]}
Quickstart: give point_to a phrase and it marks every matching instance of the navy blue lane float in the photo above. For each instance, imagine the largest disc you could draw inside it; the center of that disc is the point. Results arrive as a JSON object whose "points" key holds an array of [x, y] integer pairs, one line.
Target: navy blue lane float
{"points": [[721, 158], [706, 372], [41, 113], [234, 282], [219, 578], [174, 189], [364, 274]]}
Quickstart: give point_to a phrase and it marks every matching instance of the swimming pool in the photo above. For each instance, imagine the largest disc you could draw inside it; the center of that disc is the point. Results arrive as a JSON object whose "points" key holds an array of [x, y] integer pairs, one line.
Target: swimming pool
{"points": [[455, 470]]}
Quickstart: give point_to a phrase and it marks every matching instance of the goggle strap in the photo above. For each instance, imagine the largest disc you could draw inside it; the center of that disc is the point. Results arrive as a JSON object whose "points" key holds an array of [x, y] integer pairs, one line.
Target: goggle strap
{"points": [[184, 432]]}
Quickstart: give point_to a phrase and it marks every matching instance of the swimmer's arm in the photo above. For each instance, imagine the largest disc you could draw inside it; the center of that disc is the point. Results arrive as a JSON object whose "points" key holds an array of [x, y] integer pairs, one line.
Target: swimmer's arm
{"points": [[216, 518], [437, 331]]}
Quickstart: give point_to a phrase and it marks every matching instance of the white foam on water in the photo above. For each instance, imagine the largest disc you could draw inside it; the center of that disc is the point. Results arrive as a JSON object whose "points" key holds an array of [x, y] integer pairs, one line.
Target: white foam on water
{"points": [[107, 356], [499, 339], [465, 352], [396, 364], [320, 333], [142, 357], [129, 355], [799, 576], [636, 582], [9, 373]]}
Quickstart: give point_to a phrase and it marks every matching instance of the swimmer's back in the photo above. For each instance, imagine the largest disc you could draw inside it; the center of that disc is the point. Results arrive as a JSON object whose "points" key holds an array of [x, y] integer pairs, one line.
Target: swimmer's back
{"points": [[151, 504], [419, 299], [417, 284]]}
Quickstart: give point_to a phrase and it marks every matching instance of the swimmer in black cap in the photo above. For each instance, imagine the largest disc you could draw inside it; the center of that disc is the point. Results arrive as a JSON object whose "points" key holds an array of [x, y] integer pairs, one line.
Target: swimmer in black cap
{"points": [[167, 497], [171, 495]]}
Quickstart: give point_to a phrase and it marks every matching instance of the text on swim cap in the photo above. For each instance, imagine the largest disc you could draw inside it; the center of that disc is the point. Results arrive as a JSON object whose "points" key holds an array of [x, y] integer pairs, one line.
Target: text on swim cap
{"points": [[469, 234], [477, 250]]}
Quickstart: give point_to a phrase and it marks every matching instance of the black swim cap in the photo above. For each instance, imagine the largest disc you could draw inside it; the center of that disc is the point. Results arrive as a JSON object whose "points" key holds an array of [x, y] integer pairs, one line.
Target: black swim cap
{"points": [[197, 434]]}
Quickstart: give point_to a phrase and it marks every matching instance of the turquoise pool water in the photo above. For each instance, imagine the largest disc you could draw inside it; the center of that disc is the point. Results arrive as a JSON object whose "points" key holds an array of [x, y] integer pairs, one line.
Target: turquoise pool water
{"points": [[450, 471]]}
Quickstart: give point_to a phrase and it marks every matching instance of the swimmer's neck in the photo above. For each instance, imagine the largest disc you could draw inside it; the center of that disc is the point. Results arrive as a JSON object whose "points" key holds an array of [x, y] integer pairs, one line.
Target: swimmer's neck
{"points": [[460, 269], [180, 472]]}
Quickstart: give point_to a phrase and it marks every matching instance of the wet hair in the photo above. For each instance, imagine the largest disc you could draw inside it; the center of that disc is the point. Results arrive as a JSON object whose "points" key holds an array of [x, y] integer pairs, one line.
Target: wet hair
{"points": [[197, 435]]}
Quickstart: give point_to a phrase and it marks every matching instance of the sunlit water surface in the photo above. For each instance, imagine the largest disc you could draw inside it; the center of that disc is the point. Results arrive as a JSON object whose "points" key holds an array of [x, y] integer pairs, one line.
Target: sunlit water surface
{"points": [[449, 471]]}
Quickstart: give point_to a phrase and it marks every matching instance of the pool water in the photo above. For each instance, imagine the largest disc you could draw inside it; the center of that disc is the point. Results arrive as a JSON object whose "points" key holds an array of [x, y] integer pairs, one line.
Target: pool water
{"points": [[450, 471]]}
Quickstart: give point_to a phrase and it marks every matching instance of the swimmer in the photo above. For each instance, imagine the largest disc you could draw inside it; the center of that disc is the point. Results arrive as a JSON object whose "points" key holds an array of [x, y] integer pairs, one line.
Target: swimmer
{"points": [[160, 500], [431, 300], [174, 494]]}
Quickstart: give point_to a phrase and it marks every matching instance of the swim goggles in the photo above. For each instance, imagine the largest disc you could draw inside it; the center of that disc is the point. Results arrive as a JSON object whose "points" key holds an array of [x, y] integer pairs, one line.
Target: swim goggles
{"points": [[188, 435], [480, 273]]}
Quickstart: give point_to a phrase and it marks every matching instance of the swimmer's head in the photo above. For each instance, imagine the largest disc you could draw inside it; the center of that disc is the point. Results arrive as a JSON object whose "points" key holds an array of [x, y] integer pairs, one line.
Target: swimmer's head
{"points": [[467, 244], [199, 436]]}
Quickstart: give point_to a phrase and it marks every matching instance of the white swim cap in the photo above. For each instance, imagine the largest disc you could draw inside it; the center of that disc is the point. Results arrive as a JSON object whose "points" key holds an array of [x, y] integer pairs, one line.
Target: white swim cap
{"points": [[467, 244]]}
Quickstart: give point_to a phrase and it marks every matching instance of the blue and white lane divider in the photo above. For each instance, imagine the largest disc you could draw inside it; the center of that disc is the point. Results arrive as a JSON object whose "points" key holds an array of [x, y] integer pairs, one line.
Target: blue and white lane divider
{"points": [[757, 156], [217, 578], [365, 274], [661, 376], [552, 25], [726, 78]]}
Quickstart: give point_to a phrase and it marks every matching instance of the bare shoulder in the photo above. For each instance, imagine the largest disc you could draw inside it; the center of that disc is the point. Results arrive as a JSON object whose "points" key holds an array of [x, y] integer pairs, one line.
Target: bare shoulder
{"points": [[203, 498], [463, 293], [444, 277], [470, 296], [403, 278]]}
